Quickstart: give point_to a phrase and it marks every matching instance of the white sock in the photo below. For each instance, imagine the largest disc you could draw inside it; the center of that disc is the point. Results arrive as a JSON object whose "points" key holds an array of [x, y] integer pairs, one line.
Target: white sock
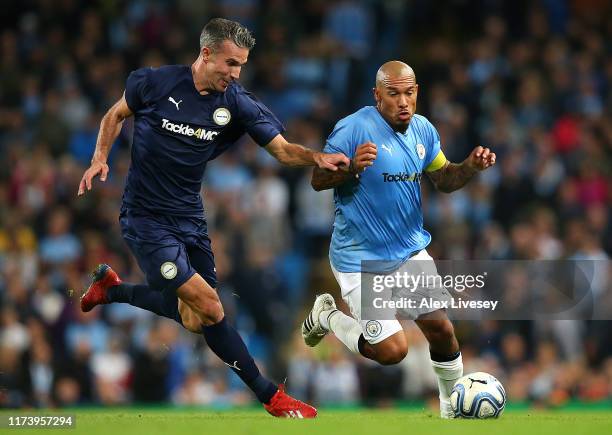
{"points": [[324, 318], [344, 327], [447, 373]]}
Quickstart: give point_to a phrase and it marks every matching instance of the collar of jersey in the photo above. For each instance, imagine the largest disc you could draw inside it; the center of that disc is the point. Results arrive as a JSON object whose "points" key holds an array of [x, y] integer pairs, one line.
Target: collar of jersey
{"points": [[388, 126]]}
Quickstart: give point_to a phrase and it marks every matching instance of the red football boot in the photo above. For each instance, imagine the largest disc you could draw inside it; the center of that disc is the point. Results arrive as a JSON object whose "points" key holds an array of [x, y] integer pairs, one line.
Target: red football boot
{"points": [[101, 279], [285, 406]]}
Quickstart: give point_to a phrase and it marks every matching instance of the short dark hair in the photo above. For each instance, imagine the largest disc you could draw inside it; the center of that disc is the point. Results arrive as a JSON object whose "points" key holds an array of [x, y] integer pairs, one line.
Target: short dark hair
{"points": [[218, 30]]}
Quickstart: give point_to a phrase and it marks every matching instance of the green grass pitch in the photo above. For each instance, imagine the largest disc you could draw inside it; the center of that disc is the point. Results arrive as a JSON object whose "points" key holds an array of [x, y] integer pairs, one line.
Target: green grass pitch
{"points": [[331, 422]]}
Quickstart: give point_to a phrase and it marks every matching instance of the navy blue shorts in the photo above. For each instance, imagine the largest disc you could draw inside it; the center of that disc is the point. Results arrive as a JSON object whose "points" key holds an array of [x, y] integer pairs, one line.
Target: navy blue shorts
{"points": [[169, 249]]}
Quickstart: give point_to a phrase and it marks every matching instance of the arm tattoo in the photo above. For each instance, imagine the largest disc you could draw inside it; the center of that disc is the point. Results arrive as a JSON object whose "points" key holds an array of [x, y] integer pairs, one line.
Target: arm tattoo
{"points": [[323, 179], [452, 176]]}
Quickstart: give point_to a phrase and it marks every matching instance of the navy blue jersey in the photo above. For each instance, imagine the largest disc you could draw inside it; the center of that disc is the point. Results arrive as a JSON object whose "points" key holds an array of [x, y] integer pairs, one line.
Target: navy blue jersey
{"points": [[177, 131]]}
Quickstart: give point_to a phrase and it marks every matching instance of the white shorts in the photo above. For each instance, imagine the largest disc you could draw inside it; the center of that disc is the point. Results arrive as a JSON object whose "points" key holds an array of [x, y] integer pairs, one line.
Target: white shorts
{"points": [[375, 331]]}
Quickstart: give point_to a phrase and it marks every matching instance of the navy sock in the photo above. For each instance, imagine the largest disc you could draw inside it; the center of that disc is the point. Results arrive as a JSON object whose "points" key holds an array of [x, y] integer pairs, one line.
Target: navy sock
{"points": [[227, 344], [437, 357], [143, 296]]}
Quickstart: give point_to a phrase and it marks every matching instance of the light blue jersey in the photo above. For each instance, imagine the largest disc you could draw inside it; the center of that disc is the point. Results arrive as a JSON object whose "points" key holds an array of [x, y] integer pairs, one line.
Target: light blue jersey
{"points": [[379, 216]]}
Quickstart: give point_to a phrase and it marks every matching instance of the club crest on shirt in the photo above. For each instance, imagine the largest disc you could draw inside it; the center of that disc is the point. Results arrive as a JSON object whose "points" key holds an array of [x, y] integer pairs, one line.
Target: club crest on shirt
{"points": [[222, 116], [420, 150]]}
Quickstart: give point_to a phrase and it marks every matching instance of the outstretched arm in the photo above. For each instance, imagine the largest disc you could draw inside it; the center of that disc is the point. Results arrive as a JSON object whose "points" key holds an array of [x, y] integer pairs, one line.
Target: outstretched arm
{"points": [[323, 179], [453, 176], [292, 154], [110, 126]]}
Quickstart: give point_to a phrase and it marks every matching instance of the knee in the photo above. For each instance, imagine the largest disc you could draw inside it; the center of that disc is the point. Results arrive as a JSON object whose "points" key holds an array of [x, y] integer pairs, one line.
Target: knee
{"points": [[210, 311], [392, 353], [207, 308], [441, 332]]}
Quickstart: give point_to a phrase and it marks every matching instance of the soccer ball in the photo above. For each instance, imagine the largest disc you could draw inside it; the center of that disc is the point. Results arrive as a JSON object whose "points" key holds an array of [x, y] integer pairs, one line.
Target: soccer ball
{"points": [[478, 395]]}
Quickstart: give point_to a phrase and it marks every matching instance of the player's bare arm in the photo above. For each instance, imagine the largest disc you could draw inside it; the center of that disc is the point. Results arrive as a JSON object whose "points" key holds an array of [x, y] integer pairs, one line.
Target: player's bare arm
{"points": [[323, 179], [453, 176], [292, 154], [110, 126]]}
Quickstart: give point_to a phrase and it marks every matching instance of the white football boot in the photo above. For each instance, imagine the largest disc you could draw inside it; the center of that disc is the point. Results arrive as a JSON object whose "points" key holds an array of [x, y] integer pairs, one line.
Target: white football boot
{"points": [[312, 330]]}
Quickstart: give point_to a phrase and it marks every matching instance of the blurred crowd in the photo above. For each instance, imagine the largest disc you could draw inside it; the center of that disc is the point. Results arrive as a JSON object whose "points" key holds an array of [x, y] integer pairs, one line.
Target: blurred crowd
{"points": [[530, 80]]}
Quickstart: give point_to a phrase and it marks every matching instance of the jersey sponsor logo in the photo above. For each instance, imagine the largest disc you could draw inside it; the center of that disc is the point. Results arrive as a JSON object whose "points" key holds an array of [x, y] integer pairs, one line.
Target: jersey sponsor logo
{"points": [[176, 103], [420, 150], [222, 116], [402, 177], [168, 270], [189, 131]]}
